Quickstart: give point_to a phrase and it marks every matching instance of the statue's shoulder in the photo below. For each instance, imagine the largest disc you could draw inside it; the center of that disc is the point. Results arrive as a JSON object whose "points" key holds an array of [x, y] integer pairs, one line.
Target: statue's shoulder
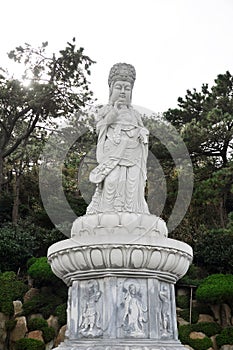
{"points": [[102, 111]]}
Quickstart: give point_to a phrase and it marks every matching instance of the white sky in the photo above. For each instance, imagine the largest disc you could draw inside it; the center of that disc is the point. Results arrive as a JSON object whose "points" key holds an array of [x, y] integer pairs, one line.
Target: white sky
{"points": [[174, 45]]}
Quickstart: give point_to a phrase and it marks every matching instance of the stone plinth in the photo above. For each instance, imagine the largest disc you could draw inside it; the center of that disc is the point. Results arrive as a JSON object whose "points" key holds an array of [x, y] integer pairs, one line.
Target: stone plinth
{"points": [[121, 270]]}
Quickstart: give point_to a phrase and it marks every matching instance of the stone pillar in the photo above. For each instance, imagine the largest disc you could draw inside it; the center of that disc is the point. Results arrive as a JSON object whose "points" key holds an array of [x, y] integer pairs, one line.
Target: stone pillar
{"points": [[121, 270]]}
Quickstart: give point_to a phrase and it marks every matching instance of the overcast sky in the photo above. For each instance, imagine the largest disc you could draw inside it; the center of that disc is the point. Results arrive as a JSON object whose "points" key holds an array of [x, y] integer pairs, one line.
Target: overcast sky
{"points": [[174, 45]]}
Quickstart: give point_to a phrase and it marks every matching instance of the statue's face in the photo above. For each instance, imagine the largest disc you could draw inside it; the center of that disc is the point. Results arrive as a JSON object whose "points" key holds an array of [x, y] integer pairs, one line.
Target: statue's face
{"points": [[121, 91], [132, 289]]}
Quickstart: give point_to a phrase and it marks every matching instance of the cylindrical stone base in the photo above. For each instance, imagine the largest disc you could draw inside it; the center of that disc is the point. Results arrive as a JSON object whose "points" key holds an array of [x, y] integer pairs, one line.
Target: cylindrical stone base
{"points": [[121, 313]]}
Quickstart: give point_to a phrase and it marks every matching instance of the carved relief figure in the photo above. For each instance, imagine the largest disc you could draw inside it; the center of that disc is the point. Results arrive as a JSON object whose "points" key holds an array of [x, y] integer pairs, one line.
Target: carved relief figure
{"points": [[122, 149], [133, 318], [90, 317], [165, 310]]}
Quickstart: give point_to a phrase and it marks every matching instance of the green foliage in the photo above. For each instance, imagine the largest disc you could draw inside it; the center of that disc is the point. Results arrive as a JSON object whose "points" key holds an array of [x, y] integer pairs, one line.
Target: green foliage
{"points": [[204, 309], [37, 324], [10, 289], [22, 241], [6, 202], [214, 251], [60, 312], [48, 334], [193, 277], [216, 289], [201, 344], [45, 303], [196, 344], [225, 337], [182, 301], [10, 325], [184, 332], [41, 272], [29, 344], [204, 120], [208, 328], [186, 313], [16, 247], [41, 324], [31, 261]]}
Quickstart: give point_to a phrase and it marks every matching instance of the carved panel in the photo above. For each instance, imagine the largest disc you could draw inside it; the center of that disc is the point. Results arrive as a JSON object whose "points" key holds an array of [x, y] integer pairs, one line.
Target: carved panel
{"points": [[90, 323], [132, 308], [165, 325]]}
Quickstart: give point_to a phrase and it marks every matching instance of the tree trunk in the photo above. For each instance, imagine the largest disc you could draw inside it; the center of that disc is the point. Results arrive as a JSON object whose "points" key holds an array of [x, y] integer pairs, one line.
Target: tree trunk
{"points": [[16, 191], [1, 174]]}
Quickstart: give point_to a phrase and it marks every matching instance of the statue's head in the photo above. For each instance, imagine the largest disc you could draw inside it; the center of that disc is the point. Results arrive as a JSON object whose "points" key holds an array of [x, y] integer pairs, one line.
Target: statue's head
{"points": [[121, 80]]}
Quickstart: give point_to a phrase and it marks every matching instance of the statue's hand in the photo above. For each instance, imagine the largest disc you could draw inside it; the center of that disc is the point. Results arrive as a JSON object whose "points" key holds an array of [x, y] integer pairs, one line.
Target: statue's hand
{"points": [[111, 116], [144, 135], [120, 105]]}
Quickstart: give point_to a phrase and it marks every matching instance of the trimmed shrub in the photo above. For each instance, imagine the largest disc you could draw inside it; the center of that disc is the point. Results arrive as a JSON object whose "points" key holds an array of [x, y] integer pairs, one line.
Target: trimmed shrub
{"points": [[184, 332], [29, 344], [37, 324], [60, 312], [41, 324], [216, 289], [42, 303], [196, 344], [41, 272], [31, 261], [225, 337], [201, 344], [48, 334], [10, 289], [208, 328]]}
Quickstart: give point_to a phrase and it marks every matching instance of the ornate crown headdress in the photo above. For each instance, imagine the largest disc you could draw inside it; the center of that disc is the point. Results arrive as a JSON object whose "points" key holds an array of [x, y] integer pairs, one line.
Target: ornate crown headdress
{"points": [[122, 71]]}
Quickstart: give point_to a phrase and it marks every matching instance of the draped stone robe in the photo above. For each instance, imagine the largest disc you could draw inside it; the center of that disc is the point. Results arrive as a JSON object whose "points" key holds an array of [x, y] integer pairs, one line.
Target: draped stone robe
{"points": [[122, 151]]}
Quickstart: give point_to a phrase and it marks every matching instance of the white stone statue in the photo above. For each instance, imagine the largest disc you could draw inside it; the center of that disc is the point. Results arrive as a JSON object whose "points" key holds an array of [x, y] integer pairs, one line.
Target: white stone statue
{"points": [[122, 149]]}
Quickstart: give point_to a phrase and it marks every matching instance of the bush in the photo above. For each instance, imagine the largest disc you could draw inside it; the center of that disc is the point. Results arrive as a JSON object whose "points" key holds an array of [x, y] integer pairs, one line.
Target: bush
{"points": [[216, 289], [48, 334], [193, 276], [41, 272], [214, 251], [16, 243], [41, 324], [60, 312], [208, 328], [11, 288], [22, 242], [37, 324], [185, 315], [44, 303], [225, 337], [196, 344], [29, 344], [201, 344], [182, 301], [184, 332]]}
